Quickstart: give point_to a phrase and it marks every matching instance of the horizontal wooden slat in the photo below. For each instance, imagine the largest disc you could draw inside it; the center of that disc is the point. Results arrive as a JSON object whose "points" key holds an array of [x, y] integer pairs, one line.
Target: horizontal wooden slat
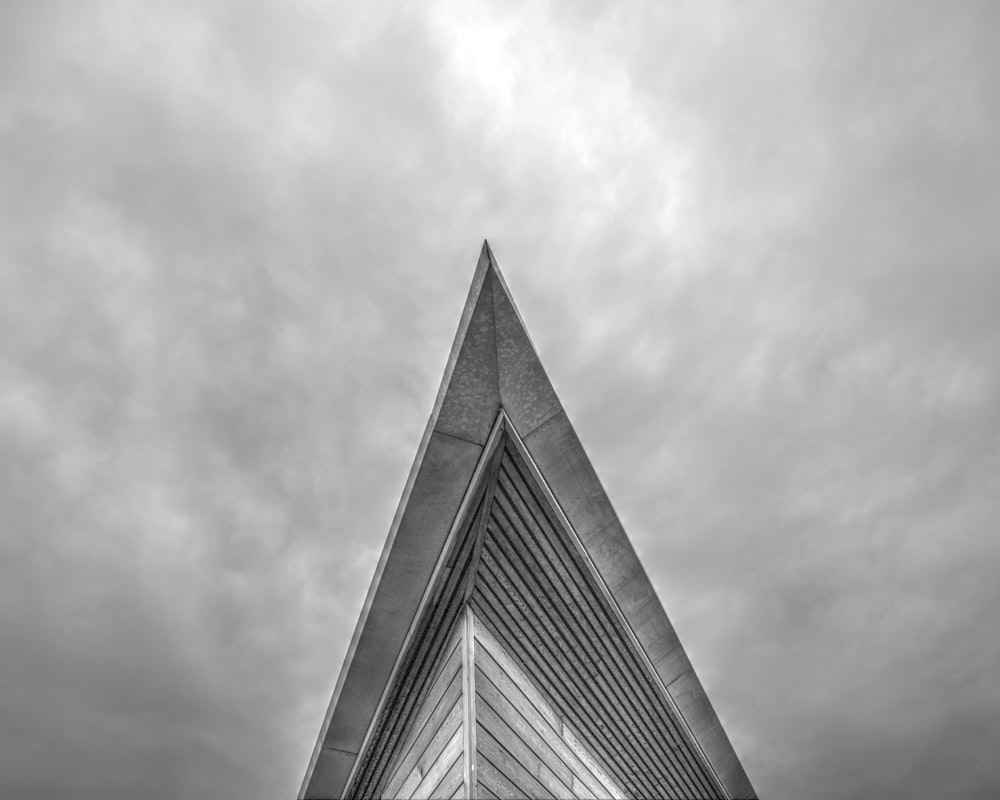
{"points": [[453, 781], [437, 744], [501, 667], [522, 752], [491, 748], [459, 791], [447, 712], [493, 783], [485, 793], [443, 680], [436, 771]]}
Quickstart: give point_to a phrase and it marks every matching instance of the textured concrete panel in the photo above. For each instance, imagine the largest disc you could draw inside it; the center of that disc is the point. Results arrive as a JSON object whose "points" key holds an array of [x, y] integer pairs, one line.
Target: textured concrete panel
{"points": [[560, 456], [665, 651], [470, 404], [525, 391], [691, 699], [329, 775]]}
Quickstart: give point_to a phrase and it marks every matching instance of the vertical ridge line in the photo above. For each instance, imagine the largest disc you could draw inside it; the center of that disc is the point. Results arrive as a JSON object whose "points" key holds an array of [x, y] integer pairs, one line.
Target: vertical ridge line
{"points": [[469, 698]]}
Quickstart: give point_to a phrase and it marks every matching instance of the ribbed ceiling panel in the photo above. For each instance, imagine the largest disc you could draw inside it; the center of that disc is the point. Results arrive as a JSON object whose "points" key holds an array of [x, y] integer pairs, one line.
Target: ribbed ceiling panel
{"points": [[537, 595]]}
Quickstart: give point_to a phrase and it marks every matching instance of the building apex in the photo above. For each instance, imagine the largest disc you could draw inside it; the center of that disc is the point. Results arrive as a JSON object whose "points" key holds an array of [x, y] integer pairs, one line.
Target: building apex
{"points": [[494, 372]]}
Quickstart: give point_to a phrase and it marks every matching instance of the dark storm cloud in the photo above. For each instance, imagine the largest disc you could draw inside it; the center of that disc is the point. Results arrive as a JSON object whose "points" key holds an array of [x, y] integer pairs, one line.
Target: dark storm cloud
{"points": [[754, 247]]}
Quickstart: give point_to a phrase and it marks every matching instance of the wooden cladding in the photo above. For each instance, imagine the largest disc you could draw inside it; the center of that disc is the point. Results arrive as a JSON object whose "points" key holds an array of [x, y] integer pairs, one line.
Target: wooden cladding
{"points": [[520, 680], [525, 747], [484, 730], [429, 762]]}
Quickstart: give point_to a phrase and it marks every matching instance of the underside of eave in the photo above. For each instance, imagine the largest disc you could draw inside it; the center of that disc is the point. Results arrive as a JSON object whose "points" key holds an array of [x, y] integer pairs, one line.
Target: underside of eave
{"points": [[537, 592]]}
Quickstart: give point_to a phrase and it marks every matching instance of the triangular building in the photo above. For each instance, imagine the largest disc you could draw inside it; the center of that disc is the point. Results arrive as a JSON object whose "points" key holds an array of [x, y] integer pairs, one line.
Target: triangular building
{"points": [[511, 644]]}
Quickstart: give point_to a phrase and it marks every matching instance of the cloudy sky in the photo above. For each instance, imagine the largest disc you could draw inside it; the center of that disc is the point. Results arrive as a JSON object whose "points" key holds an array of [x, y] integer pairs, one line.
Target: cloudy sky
{"points": [[757, 247]]}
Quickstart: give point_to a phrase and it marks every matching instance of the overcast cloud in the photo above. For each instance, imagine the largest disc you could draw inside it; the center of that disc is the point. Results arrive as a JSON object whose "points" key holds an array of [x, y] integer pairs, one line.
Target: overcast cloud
{"points": [[756, 245]]}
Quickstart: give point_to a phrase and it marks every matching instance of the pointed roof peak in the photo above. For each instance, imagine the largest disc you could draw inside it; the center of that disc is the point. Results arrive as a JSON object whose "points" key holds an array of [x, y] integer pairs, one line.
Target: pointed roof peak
{"points": [[494, 368], [488, 264], [490, 260]]}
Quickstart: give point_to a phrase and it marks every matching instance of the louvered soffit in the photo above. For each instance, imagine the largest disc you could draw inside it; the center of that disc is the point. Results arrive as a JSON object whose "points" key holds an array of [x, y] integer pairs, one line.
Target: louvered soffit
{"points": [[506, 555]]}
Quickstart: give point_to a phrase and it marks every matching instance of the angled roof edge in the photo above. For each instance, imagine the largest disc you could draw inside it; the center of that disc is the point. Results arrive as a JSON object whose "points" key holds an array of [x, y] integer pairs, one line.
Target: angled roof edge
{"points": [[625, 624], [477, 487], [494, 367], [436, 484]]}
